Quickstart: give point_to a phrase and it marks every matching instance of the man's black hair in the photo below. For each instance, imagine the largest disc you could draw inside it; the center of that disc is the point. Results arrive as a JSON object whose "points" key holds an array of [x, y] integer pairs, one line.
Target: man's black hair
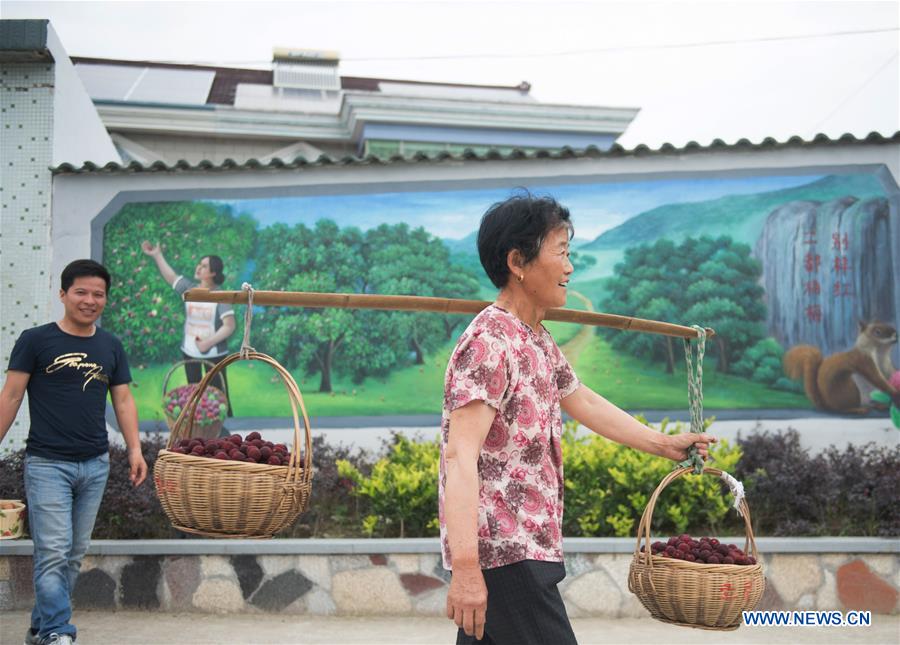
{"points": [[521, 222], [83, 269]]}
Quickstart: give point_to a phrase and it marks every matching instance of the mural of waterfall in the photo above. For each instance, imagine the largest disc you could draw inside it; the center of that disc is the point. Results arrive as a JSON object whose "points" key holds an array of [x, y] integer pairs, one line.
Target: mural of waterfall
{"points": [[826, 266]]}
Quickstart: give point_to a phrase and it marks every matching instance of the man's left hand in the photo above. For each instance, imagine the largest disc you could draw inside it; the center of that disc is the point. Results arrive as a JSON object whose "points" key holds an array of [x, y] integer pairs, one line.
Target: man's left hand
{"points": [[138, 467]]}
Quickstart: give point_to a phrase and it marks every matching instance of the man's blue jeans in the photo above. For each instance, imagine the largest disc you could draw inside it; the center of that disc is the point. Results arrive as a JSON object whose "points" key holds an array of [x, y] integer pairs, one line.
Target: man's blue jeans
{"points": [[63, 500]]}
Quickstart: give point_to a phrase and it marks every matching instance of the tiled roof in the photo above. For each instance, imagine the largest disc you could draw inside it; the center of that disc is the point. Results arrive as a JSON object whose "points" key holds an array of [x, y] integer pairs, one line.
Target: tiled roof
{"points": [[591, 152]]}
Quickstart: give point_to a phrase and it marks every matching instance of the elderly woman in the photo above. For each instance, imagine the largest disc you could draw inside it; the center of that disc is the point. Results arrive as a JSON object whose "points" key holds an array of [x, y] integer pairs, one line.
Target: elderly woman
{"points": [[501, 470]]}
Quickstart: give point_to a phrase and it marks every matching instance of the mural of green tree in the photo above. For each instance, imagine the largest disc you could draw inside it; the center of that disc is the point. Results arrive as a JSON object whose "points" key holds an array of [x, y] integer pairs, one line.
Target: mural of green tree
{"points": [[143, 310], [386, 259], [703, 279]]}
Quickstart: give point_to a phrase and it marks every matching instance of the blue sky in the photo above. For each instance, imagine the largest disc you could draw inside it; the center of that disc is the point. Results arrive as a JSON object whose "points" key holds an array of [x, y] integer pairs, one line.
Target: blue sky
{"points": [[595, 207]]}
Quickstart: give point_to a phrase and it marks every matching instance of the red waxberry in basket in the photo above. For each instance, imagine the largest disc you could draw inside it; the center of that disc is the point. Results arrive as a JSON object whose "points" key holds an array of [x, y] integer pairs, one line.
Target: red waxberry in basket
{"points": [[254, 453], [713, 559], [236, 439], [184, 443], [280, 447], [684, 536], [659, 546], [221, 455], [273, 461], [684, 547], [690, 557], [727, 560], [742, 560], [714, 541], [197, 450], [705, 553], [253, 435], [234, 453], [751, 559], [722, 549], [180, 450], [265, 452], [672, 541], [732, 547]]}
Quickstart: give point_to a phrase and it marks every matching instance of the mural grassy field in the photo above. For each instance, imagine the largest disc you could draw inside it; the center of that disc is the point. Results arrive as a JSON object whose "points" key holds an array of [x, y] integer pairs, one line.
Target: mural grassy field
{"points": [[417, 389]]}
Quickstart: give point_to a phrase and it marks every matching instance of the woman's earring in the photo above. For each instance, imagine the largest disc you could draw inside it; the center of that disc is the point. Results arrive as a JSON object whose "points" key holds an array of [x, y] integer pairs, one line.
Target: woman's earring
{"points": [[520, 277]]}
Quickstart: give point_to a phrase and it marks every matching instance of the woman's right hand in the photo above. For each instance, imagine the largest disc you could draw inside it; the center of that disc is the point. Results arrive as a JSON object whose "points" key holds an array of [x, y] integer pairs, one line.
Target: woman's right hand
{"points": [[151, 249], [467, 600]]}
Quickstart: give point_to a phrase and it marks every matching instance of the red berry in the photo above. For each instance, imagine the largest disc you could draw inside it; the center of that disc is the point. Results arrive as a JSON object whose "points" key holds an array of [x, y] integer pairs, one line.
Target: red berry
{"points": [[727, 560], [713, 559], [672, 540], [254, 453], [714, 541], [235, 439], [274, 461], [253, 435], [684, 547], [221, 455]]}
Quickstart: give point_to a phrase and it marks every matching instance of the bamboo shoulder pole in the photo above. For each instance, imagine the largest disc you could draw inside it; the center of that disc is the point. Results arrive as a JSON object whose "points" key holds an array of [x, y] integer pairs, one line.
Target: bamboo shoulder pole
{"points": [[436, 305]]}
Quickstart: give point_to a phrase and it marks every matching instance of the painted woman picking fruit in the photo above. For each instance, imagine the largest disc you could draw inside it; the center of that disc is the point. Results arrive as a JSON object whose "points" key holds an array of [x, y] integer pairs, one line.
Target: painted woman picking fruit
{"points": [[501, 478], [207, 325]]}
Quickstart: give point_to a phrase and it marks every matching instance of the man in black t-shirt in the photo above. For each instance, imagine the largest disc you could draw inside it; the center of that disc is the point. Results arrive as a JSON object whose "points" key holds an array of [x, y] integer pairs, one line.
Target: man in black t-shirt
{"points": [[67, 368]]}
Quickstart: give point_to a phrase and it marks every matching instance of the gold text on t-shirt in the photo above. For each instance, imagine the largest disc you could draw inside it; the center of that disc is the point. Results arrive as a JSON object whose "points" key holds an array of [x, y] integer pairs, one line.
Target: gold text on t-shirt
{"points": [[75, 360]]}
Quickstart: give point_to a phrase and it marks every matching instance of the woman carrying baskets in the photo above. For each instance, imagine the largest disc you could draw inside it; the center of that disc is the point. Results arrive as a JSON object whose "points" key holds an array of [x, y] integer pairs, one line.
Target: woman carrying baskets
{"points": [[501, 479], [207, 325]]}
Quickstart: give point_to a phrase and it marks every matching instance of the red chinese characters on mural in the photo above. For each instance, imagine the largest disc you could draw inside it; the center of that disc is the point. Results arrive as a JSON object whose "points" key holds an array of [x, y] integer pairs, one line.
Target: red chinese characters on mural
{"points": [[841, 287], [811, 286]]}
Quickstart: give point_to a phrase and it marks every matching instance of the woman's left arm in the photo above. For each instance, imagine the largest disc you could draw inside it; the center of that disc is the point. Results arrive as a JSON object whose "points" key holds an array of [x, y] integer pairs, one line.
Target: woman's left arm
{"points": [[593, 411]]}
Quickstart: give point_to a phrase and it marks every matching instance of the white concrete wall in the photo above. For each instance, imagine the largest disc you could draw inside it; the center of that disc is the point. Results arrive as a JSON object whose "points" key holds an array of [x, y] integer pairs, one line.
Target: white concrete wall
{"points": [[78, 133]]}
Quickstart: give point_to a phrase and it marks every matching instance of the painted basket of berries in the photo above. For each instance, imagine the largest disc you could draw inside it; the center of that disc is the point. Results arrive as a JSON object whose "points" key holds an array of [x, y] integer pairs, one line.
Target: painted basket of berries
{"points": [[235, 487], [209, 417], [696, 583], [12, 516]]}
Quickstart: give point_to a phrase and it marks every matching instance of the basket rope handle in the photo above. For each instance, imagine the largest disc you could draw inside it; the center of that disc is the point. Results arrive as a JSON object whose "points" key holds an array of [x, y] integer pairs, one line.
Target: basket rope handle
{"points": [[248, 320], [298, 471], [643, 532], [695, 395]]}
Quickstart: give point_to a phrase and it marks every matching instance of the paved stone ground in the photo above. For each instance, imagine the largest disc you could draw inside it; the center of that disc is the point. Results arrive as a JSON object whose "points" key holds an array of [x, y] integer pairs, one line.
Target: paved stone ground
{"points": [[150, 628]]}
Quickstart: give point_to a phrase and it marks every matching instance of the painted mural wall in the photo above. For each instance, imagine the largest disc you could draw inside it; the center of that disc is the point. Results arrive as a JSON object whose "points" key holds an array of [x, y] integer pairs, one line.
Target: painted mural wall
{"points": [[793, 272]]}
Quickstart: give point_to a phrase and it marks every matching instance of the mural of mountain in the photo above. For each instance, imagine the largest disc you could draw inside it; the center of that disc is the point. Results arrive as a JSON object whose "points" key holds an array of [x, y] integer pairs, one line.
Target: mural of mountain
{"points": [[740, 216], [466, 244], [824, 270]]}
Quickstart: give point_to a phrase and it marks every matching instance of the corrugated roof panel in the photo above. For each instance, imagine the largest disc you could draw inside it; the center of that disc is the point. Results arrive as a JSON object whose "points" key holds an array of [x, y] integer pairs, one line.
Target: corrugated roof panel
{"points": [[592, 152]]}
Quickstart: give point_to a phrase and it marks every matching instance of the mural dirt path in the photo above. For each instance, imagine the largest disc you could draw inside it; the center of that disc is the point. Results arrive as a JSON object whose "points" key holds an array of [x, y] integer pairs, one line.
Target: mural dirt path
{"points": [[582, 339]]}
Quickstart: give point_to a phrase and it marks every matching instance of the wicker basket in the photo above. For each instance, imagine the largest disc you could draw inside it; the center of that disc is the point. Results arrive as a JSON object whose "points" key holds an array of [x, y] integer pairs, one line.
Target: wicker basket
{"points": [[708, 596], [208, 430], [222, 498]]}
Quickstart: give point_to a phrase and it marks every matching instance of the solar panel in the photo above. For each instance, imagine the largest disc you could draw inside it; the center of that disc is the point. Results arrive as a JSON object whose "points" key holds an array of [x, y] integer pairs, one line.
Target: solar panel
{"points": [[146, 84]]}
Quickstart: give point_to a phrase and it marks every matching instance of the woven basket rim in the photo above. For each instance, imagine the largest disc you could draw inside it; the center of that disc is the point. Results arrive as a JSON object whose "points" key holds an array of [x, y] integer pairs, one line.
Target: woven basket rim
{"points": [[221, 464], [673, 563]]}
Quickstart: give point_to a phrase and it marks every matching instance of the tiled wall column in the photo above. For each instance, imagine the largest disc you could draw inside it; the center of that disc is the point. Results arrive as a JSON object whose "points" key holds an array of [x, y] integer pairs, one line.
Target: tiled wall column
{"points": [[26, 153]]}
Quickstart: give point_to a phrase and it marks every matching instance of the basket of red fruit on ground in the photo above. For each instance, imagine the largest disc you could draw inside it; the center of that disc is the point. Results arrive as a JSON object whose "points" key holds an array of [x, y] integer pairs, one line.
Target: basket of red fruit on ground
{"points": [[210, 414], [237, 487], [696, 582]]}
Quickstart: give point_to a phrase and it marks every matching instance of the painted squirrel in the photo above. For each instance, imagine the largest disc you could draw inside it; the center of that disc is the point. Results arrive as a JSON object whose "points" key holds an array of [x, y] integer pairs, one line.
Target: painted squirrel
{"points": [[844, 382]]}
